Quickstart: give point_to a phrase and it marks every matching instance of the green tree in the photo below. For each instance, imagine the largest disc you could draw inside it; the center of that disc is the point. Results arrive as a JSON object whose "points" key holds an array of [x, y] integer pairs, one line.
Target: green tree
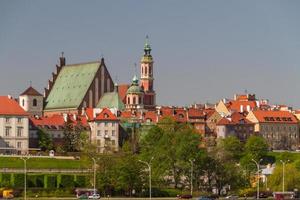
{"points": [[292, 178], [229, 148], [45, 141], [74, 136], [256, 147], [172, 145]]}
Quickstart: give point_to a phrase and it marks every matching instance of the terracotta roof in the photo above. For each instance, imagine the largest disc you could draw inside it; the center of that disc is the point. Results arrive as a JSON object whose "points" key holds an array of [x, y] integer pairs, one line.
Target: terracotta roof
{"points": [[9, 106], [224, 121], [31, 92], [54, 120], [57, 120], [196, 113], [236, 105], [268, 116], [122, 89], [235, 118], [106, 115], [89, 113], [152, 115]]}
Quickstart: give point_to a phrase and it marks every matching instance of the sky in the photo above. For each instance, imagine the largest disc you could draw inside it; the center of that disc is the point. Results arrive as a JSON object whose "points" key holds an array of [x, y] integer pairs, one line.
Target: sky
{"points": [[203, 50]]}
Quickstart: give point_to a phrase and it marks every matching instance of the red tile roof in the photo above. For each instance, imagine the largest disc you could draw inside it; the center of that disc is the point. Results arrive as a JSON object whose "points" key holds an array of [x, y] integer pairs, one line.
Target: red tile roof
{"points": [[236, 105], [31, 92], [270, 116], [106, 115], [235, 118], [122, 89], [9, 106], [196, 113], [58, 120]]}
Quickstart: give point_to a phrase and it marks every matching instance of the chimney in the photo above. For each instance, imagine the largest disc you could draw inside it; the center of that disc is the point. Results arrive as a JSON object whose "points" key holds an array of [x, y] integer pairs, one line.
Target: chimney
{"points": [[248, 108], [9, 96], [62, 60], [65, 116], [242, 108], [74, 117]]}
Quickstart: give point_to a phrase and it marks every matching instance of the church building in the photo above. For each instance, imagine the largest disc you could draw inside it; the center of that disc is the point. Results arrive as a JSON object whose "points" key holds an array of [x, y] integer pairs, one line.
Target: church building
{"points": [[76, 86]]}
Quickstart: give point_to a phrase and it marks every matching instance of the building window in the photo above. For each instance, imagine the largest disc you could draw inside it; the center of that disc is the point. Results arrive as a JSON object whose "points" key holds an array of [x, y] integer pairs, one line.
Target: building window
{"points": [[113, 133], [7, 131], [19, 145], [113, 142], [34, 102], [128, 100], [19, 120], [7, 119], [19, 131], [23, 102], [113, 124], [105, 124], [134, 100], [106, 132], [99, 133]]}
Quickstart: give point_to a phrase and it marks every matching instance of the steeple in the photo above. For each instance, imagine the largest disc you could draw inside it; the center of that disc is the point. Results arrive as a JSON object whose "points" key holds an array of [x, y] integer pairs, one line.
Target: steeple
{"points": [[147, 47]]}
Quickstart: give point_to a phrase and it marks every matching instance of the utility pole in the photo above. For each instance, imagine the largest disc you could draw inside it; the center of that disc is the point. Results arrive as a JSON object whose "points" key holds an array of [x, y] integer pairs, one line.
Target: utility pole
{"points": [[25, 175], [94, 160], [149, 167], [192, 165], [257, 165], [283, 172]]}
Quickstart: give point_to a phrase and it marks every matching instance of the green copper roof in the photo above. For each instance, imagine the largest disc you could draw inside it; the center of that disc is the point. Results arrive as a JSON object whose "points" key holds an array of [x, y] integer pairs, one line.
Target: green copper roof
{"points": [[71, 85], [134, 88], [111, 100]]}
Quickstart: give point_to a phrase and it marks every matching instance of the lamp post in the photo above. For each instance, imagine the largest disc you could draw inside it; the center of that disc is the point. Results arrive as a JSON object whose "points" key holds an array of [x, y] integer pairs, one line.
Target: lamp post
{"points": [[257, 165], [25, 174], [192, 165], [283, 166], [94, 160], [149, 167]]}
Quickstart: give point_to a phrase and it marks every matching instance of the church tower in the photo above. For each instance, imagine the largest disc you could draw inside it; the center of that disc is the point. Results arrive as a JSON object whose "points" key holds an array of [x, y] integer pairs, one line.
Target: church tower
{"points": [[147, 77]]}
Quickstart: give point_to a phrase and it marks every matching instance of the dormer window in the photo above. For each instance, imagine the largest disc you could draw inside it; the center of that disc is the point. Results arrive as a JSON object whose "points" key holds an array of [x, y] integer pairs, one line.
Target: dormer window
{"points": [[105, 115]]}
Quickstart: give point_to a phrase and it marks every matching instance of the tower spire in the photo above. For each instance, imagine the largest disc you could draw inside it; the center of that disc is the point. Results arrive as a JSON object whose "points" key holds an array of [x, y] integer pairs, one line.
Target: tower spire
{"points": [[147, 47]]}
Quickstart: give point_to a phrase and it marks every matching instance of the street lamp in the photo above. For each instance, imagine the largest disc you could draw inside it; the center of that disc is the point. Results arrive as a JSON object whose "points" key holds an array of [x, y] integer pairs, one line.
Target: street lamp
{"points": [[192, 164], [25, 172], [257, 165], [283, 165], [94, 160], [149, 167]]}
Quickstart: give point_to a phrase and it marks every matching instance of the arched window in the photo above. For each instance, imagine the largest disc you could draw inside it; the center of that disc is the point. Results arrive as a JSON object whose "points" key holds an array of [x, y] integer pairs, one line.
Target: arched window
{"points": [[23, 102], [134, 100], [150, 71], [34, 102]]}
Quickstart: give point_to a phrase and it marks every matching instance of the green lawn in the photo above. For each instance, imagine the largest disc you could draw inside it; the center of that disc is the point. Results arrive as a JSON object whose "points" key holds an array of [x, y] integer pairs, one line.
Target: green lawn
{"points": [[42, 163], [292, 156]]}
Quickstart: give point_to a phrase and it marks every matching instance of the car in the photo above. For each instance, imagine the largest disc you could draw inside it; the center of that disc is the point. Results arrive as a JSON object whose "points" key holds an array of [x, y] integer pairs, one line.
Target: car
{"points": [[83, 196], [184, 196], [204, 198], [94, 196], [232, 197]]}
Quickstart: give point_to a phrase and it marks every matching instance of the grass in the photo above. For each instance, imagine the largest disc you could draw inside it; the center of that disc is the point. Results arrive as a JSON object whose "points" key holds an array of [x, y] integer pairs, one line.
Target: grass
{"points": [[292, 156], [42, 163]]}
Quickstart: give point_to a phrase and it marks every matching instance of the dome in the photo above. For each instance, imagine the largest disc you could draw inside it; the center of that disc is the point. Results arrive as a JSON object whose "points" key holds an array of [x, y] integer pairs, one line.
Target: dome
{"points": [[134, 88]]}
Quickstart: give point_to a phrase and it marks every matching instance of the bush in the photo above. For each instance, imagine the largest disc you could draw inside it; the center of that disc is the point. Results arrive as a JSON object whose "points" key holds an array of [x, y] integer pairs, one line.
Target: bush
{"points": [[51, 181], [67, 181], [19, 180], [81, 181]]}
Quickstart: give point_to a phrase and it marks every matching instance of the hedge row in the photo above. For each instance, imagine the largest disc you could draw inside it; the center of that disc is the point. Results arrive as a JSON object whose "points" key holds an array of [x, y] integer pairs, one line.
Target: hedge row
{"points": [[44, 181]]}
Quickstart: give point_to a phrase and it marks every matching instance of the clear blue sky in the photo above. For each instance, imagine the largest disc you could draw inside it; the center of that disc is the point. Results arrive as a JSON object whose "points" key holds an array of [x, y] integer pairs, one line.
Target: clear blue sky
{"points": [[203, 50]]}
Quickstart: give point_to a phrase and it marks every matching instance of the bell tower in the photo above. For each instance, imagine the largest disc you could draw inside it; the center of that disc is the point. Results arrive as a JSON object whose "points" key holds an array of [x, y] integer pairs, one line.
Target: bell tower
{"points": [[147, 77]]}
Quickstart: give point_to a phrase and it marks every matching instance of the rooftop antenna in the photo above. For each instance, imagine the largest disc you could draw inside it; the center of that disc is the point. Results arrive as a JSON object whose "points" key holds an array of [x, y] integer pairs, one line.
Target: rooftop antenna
{"points": [[135, 68]]}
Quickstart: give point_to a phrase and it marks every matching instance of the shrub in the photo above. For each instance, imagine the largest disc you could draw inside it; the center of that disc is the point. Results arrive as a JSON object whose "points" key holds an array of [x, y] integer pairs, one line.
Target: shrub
{"points": [[51, 181], [67, 181], [81, 181], [19, 180]]}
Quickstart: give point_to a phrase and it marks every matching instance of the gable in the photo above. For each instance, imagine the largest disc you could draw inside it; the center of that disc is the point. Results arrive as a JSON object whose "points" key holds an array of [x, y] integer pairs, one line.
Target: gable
{"points": [[71, 85]]}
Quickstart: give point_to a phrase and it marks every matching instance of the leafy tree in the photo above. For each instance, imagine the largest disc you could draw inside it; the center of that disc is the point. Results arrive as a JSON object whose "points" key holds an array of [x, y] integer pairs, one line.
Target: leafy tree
{"points": [[74, 136], [229, 148], [256, 147], [45, 141], [172, 145], [292, 178]]}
